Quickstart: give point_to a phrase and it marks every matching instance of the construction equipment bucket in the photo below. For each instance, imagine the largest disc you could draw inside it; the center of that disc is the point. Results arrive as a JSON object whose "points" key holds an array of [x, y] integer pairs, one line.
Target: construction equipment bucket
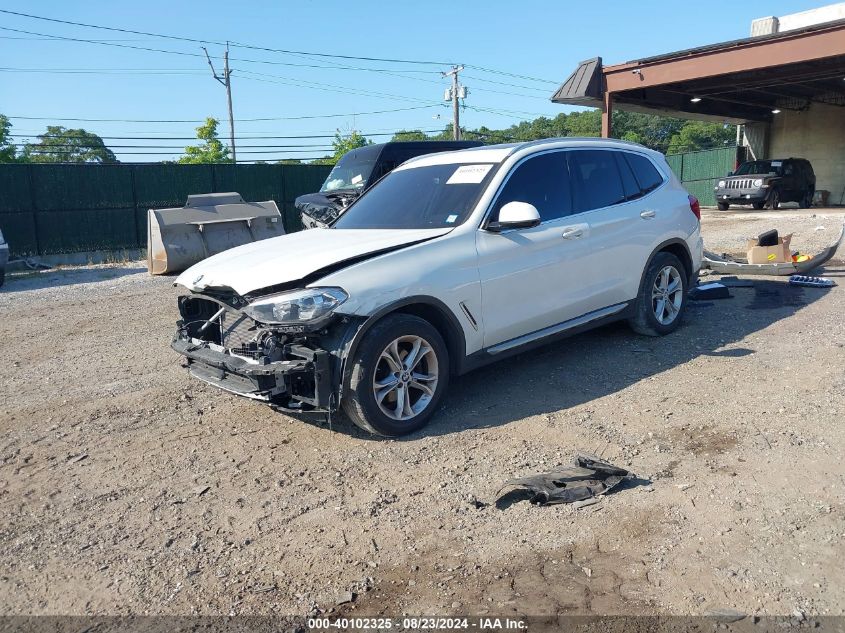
{"points": [[208, 223]]}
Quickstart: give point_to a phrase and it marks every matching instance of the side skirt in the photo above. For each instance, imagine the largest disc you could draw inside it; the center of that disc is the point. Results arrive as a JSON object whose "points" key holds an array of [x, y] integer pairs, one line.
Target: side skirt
{"points": [[589, 321]]}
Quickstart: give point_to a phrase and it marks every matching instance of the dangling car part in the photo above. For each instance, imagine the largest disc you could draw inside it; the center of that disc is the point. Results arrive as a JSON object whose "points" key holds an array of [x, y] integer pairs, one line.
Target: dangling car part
{"points": [[725, 265], [208, 224], [357, 171]]}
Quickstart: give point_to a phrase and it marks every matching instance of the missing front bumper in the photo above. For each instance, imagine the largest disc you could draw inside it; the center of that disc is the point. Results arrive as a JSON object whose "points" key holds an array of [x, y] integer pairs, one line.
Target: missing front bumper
{"points": [[301, 382]]}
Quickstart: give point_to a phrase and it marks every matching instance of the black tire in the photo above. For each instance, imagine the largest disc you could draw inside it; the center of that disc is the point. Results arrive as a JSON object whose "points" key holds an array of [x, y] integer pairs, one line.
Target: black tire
{"points": [[774, 199], [723, 206], [360, 403], [2, 276], [645, 320], [807, 200], [758, 205]]}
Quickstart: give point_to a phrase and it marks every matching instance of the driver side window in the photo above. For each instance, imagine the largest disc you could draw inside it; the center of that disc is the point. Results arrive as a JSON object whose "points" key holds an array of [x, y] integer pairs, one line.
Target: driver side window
{"points": [[542, 181]]}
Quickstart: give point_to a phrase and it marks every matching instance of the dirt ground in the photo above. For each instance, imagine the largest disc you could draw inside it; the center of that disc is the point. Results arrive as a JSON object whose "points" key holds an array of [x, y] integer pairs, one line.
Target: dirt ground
{"points": [[126, 487]]}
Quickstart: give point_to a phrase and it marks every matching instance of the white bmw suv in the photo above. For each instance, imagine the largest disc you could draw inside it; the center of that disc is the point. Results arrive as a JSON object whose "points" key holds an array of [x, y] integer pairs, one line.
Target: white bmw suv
{"points": [[450, 262]]}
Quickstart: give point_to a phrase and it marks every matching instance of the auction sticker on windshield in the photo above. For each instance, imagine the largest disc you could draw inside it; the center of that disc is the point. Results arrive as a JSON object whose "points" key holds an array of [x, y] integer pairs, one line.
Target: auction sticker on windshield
{"points": [[468, 174]]}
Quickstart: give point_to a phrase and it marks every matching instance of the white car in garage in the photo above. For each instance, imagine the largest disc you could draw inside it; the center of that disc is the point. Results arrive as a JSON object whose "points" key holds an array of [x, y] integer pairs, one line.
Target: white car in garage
{"points": [[451, 261]]}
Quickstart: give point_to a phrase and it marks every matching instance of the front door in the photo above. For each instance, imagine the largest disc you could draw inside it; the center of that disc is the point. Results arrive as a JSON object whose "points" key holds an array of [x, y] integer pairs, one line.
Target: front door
{"points": [[529, 277]]}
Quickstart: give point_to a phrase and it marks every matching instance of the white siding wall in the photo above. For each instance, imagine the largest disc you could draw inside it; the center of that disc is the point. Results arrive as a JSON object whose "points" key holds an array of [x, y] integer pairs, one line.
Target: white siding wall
{"points": [[817, 134]]}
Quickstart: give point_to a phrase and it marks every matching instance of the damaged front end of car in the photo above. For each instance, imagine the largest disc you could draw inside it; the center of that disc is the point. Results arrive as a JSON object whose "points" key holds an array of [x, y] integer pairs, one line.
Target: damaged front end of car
{"points": [[283, 348]]}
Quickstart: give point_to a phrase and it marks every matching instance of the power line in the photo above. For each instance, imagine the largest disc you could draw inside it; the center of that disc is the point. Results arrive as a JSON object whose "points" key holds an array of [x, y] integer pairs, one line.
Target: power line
{"points": [[515, 75], [275, 50], [313, 147], [504, 83], [236, 44], [248, 138], [283, 118], [296, 82]]}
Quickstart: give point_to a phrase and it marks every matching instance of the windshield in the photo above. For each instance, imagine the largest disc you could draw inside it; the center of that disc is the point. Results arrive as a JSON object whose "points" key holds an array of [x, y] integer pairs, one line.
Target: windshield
{"points": [[435, 196], [349, 173], [758, 167]]}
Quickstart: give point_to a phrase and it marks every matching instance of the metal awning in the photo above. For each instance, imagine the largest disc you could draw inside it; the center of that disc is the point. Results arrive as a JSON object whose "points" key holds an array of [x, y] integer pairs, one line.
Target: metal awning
{"points": [[584, 87], [739, 81]]}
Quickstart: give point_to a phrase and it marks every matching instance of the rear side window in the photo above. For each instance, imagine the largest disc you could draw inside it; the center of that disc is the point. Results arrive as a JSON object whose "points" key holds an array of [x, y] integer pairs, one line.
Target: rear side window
{"points": [[646, 174], [629, 183], [542, 181], [596, 179]]}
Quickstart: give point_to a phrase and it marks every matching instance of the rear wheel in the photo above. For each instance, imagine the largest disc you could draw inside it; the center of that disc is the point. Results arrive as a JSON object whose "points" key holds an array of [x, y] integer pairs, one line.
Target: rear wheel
{"points": [[807, 200], [399, 374], [663, 295], [723, 206]]}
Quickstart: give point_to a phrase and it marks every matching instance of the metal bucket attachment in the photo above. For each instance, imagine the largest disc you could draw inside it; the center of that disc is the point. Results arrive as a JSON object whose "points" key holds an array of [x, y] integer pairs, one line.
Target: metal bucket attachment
{"points": [[208, 223]]}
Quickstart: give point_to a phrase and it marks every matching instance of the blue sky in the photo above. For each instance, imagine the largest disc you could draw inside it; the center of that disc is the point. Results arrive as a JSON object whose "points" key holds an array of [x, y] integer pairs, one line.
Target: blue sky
{"points": [[541, 40]]}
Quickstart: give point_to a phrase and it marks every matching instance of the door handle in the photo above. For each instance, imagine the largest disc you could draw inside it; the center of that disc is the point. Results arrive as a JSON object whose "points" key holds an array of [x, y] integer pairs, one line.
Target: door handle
{"points": [[647, 215], [572, 232]]}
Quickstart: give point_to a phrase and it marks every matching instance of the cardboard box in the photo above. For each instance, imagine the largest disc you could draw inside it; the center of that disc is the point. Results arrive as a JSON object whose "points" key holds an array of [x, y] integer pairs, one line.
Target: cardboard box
{"points": [[770, 254]]}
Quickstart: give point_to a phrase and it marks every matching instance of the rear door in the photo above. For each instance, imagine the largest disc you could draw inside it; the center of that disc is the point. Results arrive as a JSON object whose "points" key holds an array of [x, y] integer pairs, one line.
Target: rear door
{"points": [[614, 195]]}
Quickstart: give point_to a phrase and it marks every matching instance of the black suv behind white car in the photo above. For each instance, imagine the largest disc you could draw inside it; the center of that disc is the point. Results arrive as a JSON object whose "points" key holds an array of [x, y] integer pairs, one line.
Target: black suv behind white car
{"points": [[767, 183]]}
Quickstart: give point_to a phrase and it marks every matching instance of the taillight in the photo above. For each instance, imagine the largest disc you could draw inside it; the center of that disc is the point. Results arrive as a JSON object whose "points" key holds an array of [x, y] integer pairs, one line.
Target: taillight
{"points": [[694, 206]]}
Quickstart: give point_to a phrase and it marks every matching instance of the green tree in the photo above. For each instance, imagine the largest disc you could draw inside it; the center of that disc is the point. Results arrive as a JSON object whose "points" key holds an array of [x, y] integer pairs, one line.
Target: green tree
{"points": [[698, 135], [62, 145], [410, 135], [8, 153], [289, 161], [342, 144], [211, 150]]}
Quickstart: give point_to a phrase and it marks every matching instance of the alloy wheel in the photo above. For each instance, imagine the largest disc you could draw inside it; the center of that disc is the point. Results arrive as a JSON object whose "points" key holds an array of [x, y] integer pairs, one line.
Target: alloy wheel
{"points": [[405, 377], [667, 295]]}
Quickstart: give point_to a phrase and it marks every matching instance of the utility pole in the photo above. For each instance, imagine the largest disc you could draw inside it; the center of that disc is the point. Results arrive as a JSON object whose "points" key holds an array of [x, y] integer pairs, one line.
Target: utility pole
{"points": [[226, 80], [457, 91]]}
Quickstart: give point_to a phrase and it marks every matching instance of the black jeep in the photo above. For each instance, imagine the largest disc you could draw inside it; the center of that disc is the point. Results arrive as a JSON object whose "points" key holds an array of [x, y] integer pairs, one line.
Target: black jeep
{"points": [[767, 183]]}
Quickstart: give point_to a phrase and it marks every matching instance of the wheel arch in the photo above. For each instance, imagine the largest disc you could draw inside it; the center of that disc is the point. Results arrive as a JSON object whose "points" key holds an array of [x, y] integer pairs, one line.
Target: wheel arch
{"points": [[428, 308], [679, 249]]}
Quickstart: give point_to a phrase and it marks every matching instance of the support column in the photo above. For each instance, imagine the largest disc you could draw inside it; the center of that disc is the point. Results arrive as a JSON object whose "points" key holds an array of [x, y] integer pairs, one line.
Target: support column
{"points": [[607, 116]]}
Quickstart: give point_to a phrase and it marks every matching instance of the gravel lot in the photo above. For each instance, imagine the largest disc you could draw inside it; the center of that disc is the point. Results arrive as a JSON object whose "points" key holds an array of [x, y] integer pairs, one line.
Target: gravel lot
{"points": [[127, 487]]}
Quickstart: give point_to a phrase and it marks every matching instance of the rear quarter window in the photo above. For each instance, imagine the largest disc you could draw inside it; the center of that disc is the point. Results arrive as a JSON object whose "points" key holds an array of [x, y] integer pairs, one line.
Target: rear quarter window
{"points": [[645, 172]]}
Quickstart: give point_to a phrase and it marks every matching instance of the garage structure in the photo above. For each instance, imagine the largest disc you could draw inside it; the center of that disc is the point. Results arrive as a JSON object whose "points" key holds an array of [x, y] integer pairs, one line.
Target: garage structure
{"points": [[785, 85]]}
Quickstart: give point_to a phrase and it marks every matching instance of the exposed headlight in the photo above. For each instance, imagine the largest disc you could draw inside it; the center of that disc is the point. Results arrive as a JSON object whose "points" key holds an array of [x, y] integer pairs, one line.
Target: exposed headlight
{"points": [[722, 183], [758, 182], [298, 306]]}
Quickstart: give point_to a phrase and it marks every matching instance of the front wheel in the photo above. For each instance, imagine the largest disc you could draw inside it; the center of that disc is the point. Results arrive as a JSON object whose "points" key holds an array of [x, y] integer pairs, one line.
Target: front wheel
{"points": [[774, 199], [663, 297], [723, 206], [399, 374]]}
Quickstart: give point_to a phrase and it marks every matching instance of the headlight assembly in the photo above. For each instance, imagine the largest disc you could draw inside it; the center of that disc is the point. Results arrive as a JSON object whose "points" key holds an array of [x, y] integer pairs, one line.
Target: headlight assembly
{"points": [[722, 184], [758, 182], [297, 306]]}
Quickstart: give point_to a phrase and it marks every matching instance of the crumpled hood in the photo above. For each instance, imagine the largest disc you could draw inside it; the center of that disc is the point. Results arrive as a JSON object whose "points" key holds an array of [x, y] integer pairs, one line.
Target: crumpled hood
{"points": [[323, 208], [291, 257]]}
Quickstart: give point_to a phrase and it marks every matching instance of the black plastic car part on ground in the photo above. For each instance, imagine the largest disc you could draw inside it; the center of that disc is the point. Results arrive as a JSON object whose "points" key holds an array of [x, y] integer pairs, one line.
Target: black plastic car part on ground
{"points": [[767, 183], [357, 171], [588, 477]]}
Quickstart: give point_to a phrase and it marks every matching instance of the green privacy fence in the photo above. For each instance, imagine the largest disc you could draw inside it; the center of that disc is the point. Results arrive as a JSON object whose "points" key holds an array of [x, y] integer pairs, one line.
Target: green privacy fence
{"points": [[698, 171], [46, 209]]}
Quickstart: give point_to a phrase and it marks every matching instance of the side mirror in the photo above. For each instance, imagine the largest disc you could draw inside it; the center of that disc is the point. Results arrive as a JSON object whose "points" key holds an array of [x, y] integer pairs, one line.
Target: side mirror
{"points": [[730, 173], [516, 215]]}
